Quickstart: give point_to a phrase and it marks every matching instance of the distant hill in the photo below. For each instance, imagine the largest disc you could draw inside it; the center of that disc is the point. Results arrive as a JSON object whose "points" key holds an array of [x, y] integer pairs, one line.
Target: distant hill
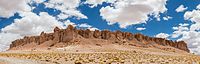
{"points": [[71, 36]]}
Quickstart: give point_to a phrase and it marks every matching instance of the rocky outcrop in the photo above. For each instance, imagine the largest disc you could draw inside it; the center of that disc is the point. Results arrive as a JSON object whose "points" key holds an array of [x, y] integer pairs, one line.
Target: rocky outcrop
{"points": [[105, 34], [71, 34], [85, 33], [164, 42], [182, 45], [97, 34], [56, 34]]}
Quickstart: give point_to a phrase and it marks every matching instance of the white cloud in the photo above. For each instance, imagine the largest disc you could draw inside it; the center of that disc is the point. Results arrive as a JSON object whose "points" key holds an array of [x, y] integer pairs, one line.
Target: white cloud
{"points": [[6, 39], [192, 36], [94, 3], [140, 29], [192, 39], [193, 16], [68, 22], [67, 8], [181, 8], [85, 25], [162, 35], [198, 6], [9, 8], [181, 29], [128, 12], [93, 28], [195, 26], [39, 1], [167, 18], [184, 24], [190, 33], [32, 24]]}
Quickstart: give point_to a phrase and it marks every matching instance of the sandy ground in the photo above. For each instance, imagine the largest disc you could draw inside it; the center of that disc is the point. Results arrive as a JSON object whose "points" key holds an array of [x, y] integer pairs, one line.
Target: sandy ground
{"points": [[121, 57], [6, 60], [108, 54]]}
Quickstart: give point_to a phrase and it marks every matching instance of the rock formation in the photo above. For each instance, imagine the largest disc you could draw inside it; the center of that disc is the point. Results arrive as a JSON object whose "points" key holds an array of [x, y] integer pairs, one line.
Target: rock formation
{"points": [[71, 34]]}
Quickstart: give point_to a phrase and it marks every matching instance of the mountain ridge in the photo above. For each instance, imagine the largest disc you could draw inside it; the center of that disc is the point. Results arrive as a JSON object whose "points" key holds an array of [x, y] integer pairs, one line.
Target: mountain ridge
{"points": [[73, 36]]}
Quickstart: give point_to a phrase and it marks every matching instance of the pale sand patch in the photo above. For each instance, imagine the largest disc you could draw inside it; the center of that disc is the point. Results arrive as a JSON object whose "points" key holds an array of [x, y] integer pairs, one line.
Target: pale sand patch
{"points": [[5, 60]]}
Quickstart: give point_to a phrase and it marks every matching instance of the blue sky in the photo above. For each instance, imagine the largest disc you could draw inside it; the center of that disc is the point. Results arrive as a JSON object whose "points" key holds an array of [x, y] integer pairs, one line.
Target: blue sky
{"points": [[30, 17], [153, 27]]}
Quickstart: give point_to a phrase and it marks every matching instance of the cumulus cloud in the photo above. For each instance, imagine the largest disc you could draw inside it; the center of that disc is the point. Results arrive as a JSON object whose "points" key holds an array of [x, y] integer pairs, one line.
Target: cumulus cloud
{"points": [[198, 6], [162, 35], [94, 3], [194, 17], [9, 8], [32, 24], [192, 36], [68, 22], [181, 8], [192, 39], [190, 33], [6, 39], [181, 29], [85, 25], [68, 8], [128, 12], [184, 24], [140, 29], [39, 1], [167, 18]]}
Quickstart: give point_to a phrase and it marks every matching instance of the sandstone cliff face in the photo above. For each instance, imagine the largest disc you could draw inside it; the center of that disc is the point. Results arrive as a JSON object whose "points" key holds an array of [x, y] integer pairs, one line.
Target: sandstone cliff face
{"points": [[71, 34], [181, 45], [97, 34], [161, 41]]}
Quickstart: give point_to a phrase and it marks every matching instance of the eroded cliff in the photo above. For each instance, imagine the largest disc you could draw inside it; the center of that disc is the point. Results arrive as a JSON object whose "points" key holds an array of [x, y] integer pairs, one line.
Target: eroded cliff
{"points": [[73, 36]]}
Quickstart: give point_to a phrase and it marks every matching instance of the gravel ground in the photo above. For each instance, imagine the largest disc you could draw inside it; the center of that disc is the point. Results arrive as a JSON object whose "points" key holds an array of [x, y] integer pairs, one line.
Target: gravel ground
{"points": [[121, 57], [4, 60]]}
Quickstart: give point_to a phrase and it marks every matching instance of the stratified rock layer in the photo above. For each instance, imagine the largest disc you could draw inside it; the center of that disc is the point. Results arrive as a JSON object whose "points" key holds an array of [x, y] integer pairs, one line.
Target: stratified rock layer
{"points": [[71, 36]]}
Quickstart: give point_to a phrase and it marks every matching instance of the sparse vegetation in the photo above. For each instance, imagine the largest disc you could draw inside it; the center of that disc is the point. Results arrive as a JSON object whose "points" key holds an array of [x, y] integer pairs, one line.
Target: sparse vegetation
{"points": [[120, 57]]}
